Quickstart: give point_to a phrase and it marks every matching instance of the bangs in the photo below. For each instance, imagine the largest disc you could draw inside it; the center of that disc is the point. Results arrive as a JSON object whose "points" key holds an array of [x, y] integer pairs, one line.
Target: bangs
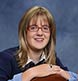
{"points": [[42, 17]]}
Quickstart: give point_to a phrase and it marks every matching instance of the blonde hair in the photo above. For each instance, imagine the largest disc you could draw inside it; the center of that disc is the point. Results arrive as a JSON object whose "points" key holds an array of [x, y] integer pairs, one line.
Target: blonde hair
{"points": [[49, 50]]}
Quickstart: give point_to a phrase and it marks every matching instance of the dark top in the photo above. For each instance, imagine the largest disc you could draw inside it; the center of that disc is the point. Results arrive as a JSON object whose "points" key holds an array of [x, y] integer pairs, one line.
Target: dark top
{"points": [[9, 66]]}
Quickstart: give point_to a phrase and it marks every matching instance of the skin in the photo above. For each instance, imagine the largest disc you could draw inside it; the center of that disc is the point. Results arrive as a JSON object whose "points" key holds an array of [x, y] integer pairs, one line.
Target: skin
{"points": [[36, 42], [44, 70]]}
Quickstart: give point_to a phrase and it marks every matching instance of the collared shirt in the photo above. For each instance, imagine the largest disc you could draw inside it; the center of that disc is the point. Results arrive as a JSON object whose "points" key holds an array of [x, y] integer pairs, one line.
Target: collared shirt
{"points": [[31, 60], [31, 63], [74, 76]]}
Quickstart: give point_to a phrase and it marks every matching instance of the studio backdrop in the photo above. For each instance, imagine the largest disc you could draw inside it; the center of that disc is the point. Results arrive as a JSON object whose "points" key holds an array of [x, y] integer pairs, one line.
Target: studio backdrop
{"points": [[66, 16]]}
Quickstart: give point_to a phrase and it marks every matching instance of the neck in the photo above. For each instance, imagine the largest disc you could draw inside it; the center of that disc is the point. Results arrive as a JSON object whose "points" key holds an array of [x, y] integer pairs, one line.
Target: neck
{"points": [[35, 55]]}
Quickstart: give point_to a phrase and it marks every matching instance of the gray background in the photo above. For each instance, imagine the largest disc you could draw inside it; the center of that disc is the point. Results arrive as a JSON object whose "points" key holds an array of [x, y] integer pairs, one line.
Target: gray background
{"points": [[66, 17]]}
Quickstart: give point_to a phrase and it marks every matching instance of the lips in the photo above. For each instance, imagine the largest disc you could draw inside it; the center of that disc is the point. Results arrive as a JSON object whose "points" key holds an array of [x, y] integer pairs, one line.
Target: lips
{"points": [[39, 39]]}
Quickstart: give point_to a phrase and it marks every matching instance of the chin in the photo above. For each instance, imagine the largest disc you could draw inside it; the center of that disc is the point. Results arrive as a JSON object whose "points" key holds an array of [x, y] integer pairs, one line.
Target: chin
{"points": [[39, 48]]}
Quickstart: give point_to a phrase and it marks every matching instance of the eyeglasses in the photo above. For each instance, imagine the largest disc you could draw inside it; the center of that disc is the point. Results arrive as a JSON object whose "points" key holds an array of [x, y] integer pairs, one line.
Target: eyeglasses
{"points": [[35, 28]]}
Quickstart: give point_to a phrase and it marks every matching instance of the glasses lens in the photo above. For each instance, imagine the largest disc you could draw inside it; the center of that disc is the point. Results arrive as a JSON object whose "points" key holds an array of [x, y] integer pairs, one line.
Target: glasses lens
{"points": [[45, 28], [33, 28]]}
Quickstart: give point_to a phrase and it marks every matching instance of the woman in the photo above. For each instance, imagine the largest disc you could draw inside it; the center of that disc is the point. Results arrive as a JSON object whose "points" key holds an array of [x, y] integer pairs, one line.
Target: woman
{"points": [[35, 56], [37, 33]]}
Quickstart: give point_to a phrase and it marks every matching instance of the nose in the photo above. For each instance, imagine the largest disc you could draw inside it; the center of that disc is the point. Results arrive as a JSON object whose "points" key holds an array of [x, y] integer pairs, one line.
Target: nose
{"points": [[40, 32]]}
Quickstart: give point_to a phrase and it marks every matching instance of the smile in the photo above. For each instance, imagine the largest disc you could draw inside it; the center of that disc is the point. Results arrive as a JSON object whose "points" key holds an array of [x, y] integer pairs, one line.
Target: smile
{"points": [[39, 39]]}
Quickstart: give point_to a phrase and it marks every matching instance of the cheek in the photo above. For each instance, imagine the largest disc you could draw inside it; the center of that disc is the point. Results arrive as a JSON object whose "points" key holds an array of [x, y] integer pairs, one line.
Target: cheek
{"points": [[47, 38], [29, 36]]}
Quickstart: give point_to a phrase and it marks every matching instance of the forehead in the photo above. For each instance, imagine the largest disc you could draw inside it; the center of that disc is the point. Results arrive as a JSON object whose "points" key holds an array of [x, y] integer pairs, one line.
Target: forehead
{"points": [[42, 18]]}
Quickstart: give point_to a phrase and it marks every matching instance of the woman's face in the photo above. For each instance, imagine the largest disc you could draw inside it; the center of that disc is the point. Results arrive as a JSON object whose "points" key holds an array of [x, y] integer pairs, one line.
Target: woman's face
{"points": [[38, 33]]}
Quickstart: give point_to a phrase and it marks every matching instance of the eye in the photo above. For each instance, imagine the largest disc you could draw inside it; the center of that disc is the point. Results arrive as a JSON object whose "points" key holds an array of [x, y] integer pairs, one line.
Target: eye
{"points": [[32, 27], [45, 27]]}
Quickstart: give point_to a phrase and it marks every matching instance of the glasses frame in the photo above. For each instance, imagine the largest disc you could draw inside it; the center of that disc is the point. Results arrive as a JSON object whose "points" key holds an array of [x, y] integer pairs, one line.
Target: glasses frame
{"points": [[37, 28]]}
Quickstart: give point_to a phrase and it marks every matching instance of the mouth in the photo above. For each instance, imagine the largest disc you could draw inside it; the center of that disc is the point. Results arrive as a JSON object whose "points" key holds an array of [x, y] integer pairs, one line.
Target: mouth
{"points": [[39, 39]]}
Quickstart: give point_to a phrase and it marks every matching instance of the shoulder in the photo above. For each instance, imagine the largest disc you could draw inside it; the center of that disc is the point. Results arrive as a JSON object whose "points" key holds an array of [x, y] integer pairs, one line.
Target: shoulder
{"points": [[7, 57], [8, 64], [59, 63], [8, 53]]}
